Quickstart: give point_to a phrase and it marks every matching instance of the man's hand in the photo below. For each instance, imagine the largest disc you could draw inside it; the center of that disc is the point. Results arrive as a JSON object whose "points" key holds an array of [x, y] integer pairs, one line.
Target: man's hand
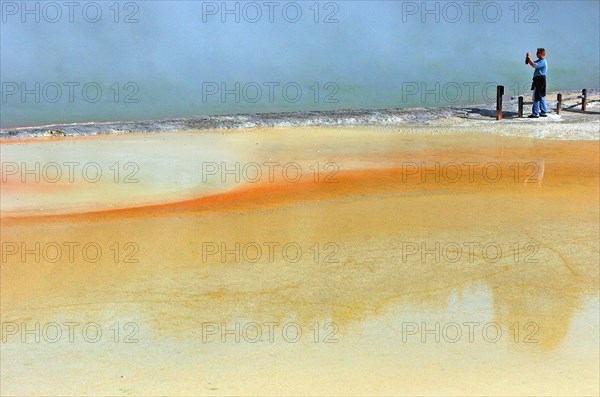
{"points": [[530, 61]]}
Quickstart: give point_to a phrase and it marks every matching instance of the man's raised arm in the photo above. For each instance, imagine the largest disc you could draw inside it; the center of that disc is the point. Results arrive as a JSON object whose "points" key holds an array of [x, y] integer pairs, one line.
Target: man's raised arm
{"points": [[529, 60]]}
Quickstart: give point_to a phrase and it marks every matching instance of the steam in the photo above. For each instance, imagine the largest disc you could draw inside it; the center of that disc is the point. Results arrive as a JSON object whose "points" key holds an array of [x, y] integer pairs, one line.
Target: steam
{"points": [[170, 54]]}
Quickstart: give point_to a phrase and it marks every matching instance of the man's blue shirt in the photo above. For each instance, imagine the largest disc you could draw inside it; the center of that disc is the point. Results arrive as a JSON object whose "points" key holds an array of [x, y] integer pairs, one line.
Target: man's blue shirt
{"points": [[540, 68]]}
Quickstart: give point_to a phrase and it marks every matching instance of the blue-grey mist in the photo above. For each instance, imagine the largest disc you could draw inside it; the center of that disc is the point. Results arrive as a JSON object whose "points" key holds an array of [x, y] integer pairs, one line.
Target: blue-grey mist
{"points": [[159, 59]]}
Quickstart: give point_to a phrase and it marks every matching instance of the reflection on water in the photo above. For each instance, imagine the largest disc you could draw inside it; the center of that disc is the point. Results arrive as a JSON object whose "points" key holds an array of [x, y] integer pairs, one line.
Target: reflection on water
{"points": [[380, 252]]}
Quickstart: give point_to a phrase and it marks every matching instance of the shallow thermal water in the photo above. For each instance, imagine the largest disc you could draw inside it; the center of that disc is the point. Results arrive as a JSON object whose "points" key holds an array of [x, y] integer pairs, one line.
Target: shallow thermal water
{"points": [[300, 261]]}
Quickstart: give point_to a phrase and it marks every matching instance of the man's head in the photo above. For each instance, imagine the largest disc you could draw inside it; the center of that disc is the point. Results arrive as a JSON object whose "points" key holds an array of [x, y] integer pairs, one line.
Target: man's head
{"points": [[541, 53]]}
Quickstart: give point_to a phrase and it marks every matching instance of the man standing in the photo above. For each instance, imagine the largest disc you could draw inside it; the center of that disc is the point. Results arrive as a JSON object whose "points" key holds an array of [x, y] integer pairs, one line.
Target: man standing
{"points": [[539, 84]]}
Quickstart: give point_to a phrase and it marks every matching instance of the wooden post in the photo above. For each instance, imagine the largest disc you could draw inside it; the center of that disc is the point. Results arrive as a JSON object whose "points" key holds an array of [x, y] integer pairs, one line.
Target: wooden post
{"points": [[584, 100], [558, 103], [499, 93], [520, 106]]}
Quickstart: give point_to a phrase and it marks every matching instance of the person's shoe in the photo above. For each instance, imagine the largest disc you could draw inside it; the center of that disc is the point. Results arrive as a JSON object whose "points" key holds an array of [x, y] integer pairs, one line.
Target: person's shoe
{"points": [[533, 116], [543, 115]]}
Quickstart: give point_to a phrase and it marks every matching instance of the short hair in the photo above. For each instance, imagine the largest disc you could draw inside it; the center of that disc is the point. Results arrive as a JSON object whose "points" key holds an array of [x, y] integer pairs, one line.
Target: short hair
{"points": [[541, 51]]}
